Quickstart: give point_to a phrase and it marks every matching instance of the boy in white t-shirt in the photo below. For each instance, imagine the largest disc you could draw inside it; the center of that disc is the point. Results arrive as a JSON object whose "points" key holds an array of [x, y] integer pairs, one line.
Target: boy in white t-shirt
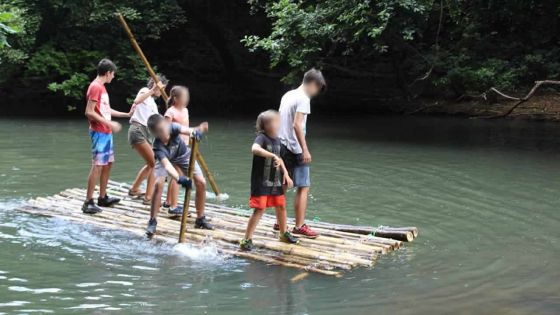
{"points": [[294, 108]]}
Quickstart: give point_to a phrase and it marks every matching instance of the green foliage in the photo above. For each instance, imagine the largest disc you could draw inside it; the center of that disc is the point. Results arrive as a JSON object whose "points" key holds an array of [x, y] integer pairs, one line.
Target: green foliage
{"points": [[72, 87], [480, 44], [62, 41], [309, 33]]}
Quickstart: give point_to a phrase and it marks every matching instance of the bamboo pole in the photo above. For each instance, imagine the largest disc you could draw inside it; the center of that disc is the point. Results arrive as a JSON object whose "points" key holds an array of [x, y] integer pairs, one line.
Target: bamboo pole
{"points": [[186, 202], [164, 95], [142, 56], [209, 175]]}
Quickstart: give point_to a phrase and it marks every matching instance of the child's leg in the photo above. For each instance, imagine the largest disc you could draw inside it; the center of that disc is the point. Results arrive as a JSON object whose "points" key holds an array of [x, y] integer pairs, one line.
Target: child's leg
{"points": [[252, 223], [281, 218], [200, 197], [172, 193], [300, 205], [104, 181], [145, 151], [156, 197], [92, 180]]}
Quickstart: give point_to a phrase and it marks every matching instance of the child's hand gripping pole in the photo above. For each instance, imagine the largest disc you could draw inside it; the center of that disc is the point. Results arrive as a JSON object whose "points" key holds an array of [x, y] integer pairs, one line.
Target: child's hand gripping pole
{"points": [[195, 139]]}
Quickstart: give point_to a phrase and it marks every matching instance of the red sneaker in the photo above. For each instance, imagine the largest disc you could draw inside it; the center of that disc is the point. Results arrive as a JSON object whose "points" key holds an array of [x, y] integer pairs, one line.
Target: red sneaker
{"points": [[306, 231]]}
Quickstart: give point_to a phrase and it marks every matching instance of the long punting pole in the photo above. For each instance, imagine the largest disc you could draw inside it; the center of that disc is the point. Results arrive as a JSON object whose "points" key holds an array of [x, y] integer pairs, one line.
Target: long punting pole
{"points": [[152, 73], [187, 200], [142, 56]]}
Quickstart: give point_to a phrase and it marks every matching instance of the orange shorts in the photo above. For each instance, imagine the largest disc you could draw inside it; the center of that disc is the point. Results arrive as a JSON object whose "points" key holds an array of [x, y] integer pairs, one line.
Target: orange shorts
{"points": [[263, 202]]}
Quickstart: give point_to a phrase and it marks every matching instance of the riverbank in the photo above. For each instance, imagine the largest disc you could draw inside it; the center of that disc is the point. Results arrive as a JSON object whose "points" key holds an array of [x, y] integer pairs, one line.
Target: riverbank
{"points": [[544, 107]]}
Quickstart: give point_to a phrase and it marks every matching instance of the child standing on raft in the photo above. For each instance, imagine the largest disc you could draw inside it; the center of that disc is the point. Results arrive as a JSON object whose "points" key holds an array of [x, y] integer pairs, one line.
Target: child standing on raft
{"points": [[101, 128], [178, 113], [268, 175], [172, 158], [140, 138]]}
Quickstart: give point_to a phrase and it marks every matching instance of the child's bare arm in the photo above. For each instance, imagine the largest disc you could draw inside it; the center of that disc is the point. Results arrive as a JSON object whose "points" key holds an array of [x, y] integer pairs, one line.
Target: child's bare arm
{"points": [[300, 135], [91, 114], [141, 97], [287, 179], [203, 127], [170, 169], [257, 150], [117, 114]]}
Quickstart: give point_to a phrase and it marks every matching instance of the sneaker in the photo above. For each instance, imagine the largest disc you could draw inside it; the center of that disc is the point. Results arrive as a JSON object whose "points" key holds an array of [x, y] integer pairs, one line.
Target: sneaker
{"points": [[305, 230], [176, 211], [166, 205], [287, 237], [246, 245], [89, 207], [151, 229], [202, 223], [107, 201]]}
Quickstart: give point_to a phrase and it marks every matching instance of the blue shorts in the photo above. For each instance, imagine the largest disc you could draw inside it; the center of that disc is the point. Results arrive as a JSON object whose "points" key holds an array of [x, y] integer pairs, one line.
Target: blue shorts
{"points": [[101, 148], [298, 170], [301, 176]]}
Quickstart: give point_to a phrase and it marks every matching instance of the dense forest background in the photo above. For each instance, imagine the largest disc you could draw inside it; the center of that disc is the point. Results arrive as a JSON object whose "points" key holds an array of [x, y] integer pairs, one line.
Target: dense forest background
{"points": [[239, 56]]}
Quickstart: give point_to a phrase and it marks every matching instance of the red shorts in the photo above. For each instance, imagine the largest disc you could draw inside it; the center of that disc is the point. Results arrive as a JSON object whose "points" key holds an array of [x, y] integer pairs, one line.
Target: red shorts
{"points": [[263, 202]]}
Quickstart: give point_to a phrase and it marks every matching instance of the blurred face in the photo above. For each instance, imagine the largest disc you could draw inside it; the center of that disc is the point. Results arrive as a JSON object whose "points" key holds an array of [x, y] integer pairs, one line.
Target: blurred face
{"points": [[183, 98], [110, 76], [161, 131], [273, 126], [312, 89]]}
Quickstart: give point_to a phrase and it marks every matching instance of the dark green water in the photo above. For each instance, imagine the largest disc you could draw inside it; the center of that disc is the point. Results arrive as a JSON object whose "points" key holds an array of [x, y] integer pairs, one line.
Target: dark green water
{"points": [[485, 196]]}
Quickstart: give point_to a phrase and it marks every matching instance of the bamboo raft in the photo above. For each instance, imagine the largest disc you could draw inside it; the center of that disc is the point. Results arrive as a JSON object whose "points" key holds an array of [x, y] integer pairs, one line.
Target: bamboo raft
{"points": [[339, 248]]}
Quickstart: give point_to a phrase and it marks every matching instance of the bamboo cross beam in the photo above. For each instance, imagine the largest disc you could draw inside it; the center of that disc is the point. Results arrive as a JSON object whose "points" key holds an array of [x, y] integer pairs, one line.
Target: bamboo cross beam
{"points": [[165, 97], [187, 200]]}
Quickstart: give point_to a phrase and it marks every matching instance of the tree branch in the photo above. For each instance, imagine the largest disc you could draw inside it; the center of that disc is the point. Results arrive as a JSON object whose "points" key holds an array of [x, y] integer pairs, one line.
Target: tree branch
{"points": [[520, 100]]}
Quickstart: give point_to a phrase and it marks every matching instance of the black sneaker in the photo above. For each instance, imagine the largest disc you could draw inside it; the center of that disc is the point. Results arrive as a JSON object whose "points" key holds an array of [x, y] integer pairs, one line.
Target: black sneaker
{"points": [[287, 237], [107, 201], [246, 245], [89, 207], [166, 205], [151, 229], [202, 223], [176, 211]]}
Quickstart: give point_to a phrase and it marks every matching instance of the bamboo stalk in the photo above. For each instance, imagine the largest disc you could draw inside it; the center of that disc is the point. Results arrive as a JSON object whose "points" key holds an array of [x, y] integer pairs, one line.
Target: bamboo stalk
{"points": [[186, 202], [271, 244], [323, 242], [266, 259], [209, 175], [142, 56]]}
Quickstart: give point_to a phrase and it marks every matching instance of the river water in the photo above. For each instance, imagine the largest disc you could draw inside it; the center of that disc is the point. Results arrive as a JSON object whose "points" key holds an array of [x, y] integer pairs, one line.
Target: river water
{"points": [[484, 194]]}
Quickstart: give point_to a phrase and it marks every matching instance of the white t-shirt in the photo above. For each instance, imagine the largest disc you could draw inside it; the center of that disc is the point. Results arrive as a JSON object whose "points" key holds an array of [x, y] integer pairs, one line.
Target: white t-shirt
{"points": [[293, 101], [144, 110]]}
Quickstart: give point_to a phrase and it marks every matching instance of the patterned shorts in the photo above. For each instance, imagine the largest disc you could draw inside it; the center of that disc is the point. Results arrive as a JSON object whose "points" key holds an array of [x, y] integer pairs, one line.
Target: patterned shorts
{"points": [[101, 148]]}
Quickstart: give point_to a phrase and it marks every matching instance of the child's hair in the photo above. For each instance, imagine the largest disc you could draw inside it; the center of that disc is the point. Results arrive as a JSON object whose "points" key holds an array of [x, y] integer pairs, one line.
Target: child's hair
{"points": [[154, 120], [264, 119], [104, 66], [175, 92], [161, 78], [314, 75]]}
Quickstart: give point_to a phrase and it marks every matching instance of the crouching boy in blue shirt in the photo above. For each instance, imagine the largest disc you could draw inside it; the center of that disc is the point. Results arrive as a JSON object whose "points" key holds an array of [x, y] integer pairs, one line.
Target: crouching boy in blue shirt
{"points": [[172, 158]]}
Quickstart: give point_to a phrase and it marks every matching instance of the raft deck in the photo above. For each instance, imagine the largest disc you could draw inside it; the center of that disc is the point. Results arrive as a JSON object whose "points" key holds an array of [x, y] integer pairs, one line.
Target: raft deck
{"points": [[339, 248]]}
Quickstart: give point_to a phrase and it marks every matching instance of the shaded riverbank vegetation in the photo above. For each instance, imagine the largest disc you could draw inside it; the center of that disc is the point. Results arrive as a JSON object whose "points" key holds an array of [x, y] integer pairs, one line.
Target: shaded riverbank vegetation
{"points": [[241, 56]]}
